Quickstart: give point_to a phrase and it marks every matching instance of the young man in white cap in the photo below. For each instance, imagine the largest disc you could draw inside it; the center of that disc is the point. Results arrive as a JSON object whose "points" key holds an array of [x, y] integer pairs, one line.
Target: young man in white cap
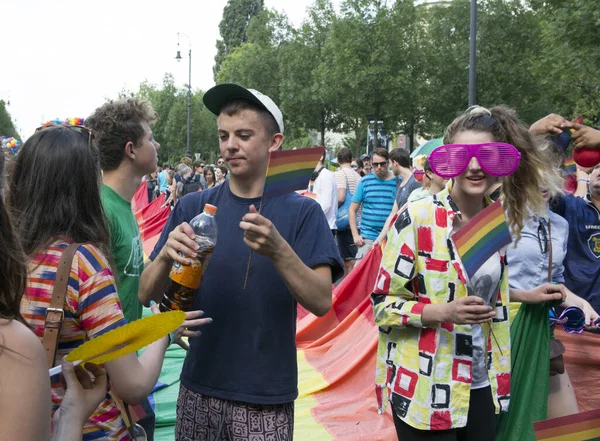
{"points": [[240, 377]]}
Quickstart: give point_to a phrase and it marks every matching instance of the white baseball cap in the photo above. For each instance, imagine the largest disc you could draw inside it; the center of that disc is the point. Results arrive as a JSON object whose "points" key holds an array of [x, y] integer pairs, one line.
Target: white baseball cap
{"points": [[219, 95]]}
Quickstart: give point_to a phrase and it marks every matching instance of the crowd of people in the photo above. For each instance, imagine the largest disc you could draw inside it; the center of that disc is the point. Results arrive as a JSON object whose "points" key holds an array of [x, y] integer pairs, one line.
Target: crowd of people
{"points": [[446, 344], [187, 177]]}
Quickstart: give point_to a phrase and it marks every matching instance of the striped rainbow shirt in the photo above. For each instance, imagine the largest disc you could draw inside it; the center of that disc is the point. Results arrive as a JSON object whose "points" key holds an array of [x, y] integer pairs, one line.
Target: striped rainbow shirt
{"points": [[92, 308]]}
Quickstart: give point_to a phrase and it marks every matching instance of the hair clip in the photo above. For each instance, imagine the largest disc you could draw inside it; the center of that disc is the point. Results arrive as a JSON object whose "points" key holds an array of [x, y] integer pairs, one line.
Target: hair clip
{"points": [[478, 110]]}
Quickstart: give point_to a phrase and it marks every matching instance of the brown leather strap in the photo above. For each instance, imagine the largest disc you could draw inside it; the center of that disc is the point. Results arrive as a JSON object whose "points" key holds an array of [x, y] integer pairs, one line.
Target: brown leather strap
{"points": [[549, 253], [55, 313]]}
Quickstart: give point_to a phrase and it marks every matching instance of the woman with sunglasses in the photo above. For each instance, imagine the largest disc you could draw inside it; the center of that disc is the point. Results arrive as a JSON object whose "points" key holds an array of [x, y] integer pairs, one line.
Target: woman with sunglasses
{"points": [[357, 165], [55, 200], [444, 346]]}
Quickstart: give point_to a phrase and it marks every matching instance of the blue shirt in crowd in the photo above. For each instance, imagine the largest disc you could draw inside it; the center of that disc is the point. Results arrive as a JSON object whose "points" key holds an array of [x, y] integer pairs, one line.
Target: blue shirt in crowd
{"points": [[582, 264], [249, 353], [162, 181], [528, 261], [377, 198]]}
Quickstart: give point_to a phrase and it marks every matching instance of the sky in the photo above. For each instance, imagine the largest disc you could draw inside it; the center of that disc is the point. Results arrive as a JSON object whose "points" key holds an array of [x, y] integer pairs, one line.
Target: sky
{"points": [[62, 59]]}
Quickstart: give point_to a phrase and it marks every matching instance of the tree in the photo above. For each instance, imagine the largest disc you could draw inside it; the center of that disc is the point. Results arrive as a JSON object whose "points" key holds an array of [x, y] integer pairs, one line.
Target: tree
{"points": [[255, 63], [362, 65], [7, 127], [568, 66], [508, 48], [254, 66], [237, 15], [170, 129], [509, 44], [302, 87]]}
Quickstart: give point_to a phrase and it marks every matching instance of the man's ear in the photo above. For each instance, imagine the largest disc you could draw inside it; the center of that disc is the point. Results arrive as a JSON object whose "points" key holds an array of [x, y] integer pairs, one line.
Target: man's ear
{"points": [[276, 142], [130, 150]]}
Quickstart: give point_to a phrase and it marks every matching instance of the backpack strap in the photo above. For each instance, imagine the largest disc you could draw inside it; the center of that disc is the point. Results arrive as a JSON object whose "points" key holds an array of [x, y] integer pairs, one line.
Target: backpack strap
{"points": [[55, 313], [347, 183]]}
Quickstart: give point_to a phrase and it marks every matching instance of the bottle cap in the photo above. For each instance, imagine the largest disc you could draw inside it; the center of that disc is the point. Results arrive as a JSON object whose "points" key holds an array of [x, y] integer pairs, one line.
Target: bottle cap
{"points": [[210, 209]]}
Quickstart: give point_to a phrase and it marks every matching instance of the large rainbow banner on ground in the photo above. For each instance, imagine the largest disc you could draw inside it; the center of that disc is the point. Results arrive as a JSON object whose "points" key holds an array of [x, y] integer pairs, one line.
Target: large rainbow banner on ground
{"points": [[336, 355], [336, 369]]}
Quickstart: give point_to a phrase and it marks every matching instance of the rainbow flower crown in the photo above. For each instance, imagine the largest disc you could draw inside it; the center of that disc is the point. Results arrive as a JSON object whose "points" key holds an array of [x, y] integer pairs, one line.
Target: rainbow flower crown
{"points": [[64, 122]]}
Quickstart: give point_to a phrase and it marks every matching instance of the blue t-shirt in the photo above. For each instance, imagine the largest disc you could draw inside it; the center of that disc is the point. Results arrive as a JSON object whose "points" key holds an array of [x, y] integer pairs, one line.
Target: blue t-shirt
{"points": [[582, 263], [162, 181], [377, 198], [249, 353]]}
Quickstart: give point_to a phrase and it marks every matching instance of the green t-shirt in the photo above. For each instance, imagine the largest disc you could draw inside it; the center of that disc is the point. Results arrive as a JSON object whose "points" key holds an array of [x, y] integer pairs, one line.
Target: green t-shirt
{"points": [[126, 246]]}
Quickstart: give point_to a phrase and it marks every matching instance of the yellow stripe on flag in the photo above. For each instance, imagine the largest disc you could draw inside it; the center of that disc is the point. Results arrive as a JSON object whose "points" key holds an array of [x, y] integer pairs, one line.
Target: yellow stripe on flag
{"points": [[584, 435], [272, 171], [482, 232], [306, 428]]}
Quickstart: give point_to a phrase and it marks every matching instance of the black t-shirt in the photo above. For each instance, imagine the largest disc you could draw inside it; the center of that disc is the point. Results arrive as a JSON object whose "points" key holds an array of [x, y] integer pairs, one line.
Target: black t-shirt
{"points": [[249, 352]]}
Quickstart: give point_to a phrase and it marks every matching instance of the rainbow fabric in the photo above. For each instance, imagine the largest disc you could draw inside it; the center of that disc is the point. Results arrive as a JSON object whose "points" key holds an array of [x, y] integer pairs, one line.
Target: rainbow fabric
{"points": [[570, 166], [151, 218], [290, 170], [579, 427], [484, 235]]}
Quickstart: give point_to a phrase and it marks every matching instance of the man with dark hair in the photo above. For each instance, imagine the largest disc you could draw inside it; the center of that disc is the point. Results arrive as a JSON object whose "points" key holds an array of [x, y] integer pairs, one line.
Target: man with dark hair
{"points": [[375, 192], [128, 152], [402, 169], [346, 180], [245, 365], [220, 161]]}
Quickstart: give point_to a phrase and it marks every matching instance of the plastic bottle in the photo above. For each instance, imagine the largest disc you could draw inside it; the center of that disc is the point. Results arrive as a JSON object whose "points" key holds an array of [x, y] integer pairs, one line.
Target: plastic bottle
{"points": [[184, 280]]}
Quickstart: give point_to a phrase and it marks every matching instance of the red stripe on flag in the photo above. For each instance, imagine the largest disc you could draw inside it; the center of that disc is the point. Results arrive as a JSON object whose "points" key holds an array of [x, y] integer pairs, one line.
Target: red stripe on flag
{"points": [[567, 420]]}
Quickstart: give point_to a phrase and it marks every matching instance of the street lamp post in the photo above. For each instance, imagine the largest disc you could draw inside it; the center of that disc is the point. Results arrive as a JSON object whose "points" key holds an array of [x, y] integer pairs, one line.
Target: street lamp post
{"points": [[473, 55], [188, 152]]}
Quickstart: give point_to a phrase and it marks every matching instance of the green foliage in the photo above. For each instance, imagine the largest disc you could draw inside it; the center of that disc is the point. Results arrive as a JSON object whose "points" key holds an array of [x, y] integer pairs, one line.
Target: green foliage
{"points": [[407, 62], [170, 130], [253, 66], [301, 139], [233, 28], [303, 87], [569, 65], [7, 128], [255, 63]]}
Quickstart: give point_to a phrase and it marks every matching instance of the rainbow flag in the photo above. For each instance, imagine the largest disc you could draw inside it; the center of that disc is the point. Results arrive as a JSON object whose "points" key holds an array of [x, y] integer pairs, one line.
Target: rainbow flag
{"points": [[583, 426], [290, 170], [484, 235], [570, 167]]}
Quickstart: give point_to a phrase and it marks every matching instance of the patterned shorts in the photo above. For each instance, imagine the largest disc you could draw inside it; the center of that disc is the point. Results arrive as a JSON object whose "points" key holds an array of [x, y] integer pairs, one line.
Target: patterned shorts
{"points": [[203, 418]]}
